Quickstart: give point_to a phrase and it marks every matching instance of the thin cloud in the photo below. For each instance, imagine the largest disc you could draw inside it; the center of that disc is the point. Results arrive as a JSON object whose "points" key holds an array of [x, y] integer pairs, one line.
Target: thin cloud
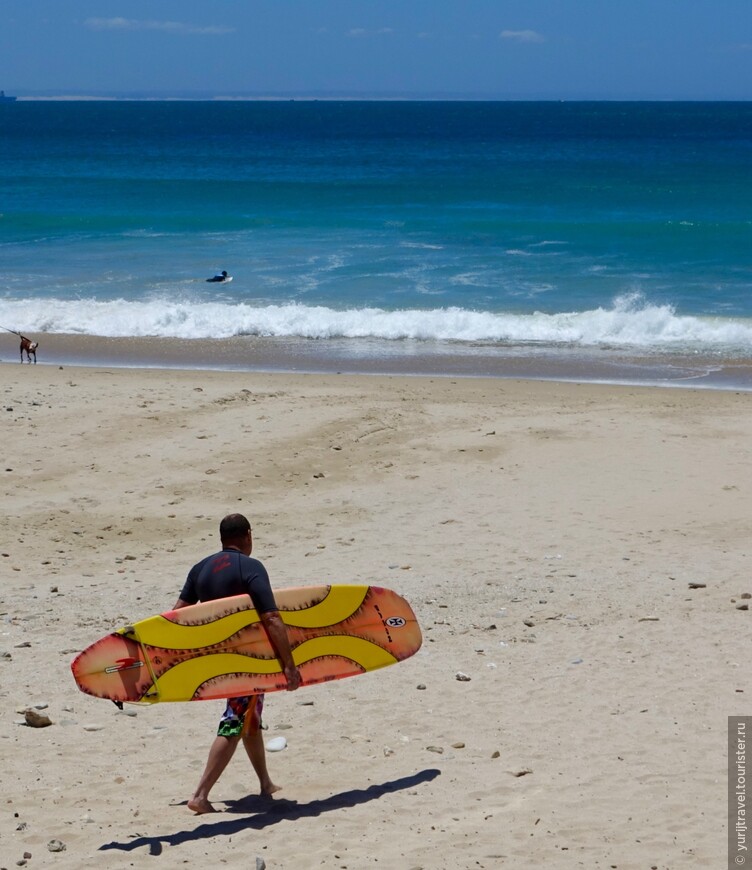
{"points": [[522, 35], [360, 32], [177, 27]]}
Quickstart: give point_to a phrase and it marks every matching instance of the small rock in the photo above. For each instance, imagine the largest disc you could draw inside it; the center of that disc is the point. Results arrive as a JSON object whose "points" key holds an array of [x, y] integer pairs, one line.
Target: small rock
{"points": [[648, 619], [421, 686], [93, 727], [36, 720], [577, 661], [388, 751], [742, 606], [260, 863], [746, 595], [439, 749], [496, 754], [458, 745], [25, 644], [697, 585], [463, 678], [522, 772], [56, 846]]}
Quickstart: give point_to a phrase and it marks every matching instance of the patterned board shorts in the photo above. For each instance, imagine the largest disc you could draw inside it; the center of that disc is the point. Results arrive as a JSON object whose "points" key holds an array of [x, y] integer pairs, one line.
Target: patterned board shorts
{"points": [[231, 723]]}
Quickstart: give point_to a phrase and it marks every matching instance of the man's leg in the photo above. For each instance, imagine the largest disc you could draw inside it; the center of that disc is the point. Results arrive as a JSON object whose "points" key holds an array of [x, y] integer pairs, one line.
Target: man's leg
{"points": [[220, 754], [253, 741]]}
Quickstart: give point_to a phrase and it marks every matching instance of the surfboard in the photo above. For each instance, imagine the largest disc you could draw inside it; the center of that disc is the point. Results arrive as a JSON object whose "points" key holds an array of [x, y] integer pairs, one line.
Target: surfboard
{"points": [[220, 649]]}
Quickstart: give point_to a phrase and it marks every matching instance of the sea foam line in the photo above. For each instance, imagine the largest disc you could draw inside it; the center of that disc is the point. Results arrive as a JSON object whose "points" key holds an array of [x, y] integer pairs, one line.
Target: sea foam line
{"points": [[627, 323]]}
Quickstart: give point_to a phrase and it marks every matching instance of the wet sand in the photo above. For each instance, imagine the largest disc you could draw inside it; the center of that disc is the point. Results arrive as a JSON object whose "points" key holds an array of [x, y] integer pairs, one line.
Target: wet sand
{"points": [[363, 356]]}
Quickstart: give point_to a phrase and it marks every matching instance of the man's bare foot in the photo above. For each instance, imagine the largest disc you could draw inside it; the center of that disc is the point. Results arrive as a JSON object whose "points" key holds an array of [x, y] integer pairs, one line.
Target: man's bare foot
{"points": [[269, 789], [200, 806]]}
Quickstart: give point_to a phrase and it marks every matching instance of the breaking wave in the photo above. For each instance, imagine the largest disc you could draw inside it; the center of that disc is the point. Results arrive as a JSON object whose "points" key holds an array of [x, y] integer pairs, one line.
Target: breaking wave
{"points": [[630, 322]]}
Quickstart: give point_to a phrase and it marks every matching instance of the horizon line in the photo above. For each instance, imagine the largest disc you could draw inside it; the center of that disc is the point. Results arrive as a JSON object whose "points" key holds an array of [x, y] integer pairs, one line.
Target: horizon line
{"points": [[352, 96]]}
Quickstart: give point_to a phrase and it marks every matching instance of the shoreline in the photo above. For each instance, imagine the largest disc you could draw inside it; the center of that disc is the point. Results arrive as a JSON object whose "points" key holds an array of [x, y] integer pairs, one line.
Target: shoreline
{"points": [[380, 357]]}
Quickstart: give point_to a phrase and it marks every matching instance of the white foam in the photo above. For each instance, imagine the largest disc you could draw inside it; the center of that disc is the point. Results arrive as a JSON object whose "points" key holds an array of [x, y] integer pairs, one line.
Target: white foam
{"points": [[629, 322]]}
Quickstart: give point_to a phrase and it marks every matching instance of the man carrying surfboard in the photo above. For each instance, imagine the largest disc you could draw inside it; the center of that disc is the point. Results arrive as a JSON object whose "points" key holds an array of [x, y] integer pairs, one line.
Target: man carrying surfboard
{"points": [[232, 572]]}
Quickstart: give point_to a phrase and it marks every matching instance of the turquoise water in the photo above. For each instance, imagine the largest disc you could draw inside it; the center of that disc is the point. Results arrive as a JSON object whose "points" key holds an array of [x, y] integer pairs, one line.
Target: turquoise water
{"points": [[589, 225]]}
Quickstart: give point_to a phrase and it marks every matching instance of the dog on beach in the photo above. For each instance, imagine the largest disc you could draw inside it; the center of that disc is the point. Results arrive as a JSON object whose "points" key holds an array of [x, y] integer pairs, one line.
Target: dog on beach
{"points": [[30, 347]]}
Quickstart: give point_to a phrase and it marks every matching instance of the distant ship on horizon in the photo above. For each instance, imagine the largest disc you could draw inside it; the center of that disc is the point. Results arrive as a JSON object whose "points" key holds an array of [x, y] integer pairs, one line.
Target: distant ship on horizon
{"points": [[5, 99]]}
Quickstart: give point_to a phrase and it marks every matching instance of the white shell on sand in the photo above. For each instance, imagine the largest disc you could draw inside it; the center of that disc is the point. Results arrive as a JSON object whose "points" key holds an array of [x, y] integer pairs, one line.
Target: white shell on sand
{"points": [[276, 744]]}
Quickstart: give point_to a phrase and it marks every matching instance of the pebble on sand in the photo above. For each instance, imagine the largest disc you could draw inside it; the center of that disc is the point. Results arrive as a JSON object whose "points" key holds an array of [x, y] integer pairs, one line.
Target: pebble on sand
{"points": [[34, 719]]}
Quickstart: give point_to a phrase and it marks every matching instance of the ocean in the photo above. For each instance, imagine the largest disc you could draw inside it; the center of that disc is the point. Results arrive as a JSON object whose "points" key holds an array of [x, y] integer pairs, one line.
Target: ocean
{"points": [[602, 241]]}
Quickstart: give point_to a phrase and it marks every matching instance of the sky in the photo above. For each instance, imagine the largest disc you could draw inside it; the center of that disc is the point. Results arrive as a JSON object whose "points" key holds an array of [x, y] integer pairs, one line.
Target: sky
{"points": [[486, 49]]}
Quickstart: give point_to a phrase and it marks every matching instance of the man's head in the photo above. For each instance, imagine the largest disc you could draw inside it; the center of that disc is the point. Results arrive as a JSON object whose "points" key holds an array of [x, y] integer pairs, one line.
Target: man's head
{"points": [[235, 531]]}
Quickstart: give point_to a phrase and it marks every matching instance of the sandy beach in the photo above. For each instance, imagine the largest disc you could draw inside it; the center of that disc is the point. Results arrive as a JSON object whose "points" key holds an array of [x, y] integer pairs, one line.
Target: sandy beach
{"points": [[548, 536]]}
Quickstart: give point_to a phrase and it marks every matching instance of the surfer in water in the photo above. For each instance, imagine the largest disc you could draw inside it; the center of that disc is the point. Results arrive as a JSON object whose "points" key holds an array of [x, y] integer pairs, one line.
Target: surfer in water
{"points": [[233, 572], [219, 278]]}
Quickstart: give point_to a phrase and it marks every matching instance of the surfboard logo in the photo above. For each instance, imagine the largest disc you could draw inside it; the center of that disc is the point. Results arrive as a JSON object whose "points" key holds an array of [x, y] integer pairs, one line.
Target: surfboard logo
{"points": [[124, 664], [395, 622]]}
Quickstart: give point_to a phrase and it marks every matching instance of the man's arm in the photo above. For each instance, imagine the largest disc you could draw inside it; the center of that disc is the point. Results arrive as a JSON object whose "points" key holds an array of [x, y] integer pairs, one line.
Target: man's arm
{"points": [[277, 632]]}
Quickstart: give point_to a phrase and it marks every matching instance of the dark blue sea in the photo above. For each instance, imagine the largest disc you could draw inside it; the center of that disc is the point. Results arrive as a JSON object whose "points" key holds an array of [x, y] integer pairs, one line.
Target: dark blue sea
{"points": [[463, 228]]}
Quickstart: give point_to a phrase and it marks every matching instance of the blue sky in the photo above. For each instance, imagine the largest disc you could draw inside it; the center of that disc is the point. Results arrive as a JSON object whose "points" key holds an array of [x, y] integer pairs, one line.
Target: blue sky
{"points": [[520, 49]]}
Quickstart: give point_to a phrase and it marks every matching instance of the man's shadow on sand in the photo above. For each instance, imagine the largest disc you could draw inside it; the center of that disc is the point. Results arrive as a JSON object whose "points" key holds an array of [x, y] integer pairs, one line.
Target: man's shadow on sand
{"points": [[270, 812]]}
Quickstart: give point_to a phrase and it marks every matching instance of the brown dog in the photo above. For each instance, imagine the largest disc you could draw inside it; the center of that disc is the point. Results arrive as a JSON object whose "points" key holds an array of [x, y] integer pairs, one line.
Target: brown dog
{"points": [[30, 347]]}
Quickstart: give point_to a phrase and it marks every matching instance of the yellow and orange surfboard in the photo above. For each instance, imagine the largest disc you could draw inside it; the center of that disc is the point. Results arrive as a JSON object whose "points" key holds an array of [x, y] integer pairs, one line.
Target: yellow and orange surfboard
{"points": [[220, 649]]}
